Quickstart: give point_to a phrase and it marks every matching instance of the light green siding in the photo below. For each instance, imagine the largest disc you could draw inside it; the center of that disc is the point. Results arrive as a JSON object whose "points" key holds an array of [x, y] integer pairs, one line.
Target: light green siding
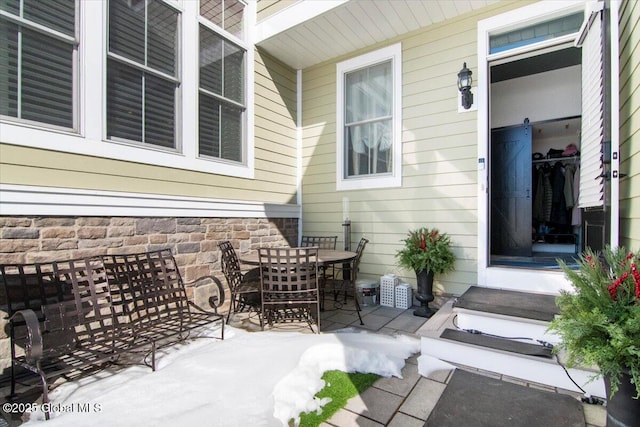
{"points": [[439, 186], [275, 156], [630, 123]]}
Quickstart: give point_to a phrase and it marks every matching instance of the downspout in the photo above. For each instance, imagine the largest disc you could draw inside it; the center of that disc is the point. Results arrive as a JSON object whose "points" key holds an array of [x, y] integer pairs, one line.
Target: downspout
{"points": [[299, 151]]}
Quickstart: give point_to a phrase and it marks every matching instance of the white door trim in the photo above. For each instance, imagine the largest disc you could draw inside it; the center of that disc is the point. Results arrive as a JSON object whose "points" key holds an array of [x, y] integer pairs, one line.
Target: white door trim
{"points": [[515, 278], [615, 123]]}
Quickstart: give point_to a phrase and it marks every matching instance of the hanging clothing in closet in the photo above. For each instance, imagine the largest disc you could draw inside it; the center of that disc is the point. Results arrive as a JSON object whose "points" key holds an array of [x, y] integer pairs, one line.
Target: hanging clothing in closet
{"points": [[569, 170], [576, 212], [555, 194], [543, 193], [558, 204]]}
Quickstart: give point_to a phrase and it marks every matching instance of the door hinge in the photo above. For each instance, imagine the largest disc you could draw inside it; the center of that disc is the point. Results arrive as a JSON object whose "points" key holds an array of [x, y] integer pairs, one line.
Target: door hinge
{"points": [[618, 175]]}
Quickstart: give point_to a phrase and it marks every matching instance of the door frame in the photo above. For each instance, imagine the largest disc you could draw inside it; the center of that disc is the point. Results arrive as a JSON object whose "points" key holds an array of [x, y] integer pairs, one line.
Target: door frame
{"points": [[529, 279]]}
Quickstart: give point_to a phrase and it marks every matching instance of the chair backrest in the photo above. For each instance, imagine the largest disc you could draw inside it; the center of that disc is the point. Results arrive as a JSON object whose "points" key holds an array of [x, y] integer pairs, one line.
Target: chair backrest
{"points": [[289, 274], [321, 242], [230, 264], [355, 265]]}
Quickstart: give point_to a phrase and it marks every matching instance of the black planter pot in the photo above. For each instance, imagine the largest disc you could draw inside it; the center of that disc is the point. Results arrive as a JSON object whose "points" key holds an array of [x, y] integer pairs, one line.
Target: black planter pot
{"points": [[425, 293], [622, 409]]}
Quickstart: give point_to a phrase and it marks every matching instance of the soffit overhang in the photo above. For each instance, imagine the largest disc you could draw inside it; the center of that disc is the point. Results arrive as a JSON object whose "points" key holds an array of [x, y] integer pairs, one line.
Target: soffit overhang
{"points": [[310, 32]]}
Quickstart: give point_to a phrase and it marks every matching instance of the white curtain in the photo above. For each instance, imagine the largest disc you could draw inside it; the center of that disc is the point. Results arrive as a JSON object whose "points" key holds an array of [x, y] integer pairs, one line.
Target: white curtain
{"points": [[369, 103]]}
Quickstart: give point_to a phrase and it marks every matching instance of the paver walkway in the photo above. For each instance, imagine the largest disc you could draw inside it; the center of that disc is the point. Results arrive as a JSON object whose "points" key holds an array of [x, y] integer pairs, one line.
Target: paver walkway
{"points": [[405, 402]]}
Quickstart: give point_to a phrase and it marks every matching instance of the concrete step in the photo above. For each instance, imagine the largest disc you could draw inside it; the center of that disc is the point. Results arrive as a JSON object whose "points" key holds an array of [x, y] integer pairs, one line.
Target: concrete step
{"points": [[523, 305], [506, 313], [531, 348], [541, 370], [504, 326]]}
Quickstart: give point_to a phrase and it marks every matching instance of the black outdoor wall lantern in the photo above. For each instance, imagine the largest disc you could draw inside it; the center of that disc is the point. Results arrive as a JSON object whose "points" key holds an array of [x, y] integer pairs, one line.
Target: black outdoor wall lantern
{"points": [[464, 86]]}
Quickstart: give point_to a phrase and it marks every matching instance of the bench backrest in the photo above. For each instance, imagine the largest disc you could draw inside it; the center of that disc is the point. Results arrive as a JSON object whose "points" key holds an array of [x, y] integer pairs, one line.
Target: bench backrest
{"points": [[71, 300], [149, 285], [91, 314], [31, 286]]}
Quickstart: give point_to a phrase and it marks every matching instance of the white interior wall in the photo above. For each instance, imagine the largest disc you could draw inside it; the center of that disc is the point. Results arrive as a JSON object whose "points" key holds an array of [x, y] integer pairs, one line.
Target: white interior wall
{"points": [[544, 96], [559, 143]]}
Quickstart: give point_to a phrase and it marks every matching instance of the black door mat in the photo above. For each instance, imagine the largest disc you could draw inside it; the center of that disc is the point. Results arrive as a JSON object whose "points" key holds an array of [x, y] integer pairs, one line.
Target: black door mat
{"points": [[472, 400], [497, 343], [509, 303]]}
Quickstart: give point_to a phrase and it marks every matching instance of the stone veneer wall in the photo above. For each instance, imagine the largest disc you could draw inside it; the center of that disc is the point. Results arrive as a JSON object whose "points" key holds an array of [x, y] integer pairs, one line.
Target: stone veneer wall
{"points": [[194, 242]]}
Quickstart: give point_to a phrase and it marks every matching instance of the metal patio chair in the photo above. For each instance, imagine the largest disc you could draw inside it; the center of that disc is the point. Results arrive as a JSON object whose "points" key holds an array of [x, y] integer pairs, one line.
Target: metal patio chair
{"points": [[243, 285], [290, 289], [349, 275], [321, 242]]}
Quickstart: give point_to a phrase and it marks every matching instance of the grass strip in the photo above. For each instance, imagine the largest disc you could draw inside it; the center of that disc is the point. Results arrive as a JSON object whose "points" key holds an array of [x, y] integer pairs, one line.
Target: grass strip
{"points": [[341, 386]]}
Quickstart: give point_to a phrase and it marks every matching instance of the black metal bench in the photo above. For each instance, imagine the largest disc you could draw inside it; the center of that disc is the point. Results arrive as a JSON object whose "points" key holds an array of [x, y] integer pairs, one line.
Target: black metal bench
{"points": [[63, 321], [153, 297], [67, 317]]}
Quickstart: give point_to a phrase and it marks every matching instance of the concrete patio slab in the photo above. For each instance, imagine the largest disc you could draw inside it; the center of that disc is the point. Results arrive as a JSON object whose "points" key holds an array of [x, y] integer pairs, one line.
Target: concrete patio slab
{"points": [[423, 398], [348, 418], [390, 312], [372, 322], [404, 420], [400, 386], [406, 322], [376, 404]]}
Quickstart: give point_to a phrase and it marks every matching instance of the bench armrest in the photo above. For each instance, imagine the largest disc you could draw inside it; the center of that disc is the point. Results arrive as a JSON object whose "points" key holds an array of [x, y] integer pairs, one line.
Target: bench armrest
{"points": [[33, 347], [215, 300]]}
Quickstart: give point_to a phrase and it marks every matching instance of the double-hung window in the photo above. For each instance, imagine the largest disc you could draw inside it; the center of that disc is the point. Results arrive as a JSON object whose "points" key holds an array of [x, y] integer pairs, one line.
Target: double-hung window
{"points": [[369, 120], [221, 88], [38, 56], [160, 82], [143, 76]]}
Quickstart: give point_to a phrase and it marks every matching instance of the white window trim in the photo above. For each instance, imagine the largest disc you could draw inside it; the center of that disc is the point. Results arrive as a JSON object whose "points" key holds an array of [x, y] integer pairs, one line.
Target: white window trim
{"points": [[91, 140], [393, 53]]}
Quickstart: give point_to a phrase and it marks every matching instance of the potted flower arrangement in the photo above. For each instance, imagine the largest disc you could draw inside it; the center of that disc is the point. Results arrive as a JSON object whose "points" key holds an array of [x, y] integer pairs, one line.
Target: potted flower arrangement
{"points": [[426, 252], [599, 324]]}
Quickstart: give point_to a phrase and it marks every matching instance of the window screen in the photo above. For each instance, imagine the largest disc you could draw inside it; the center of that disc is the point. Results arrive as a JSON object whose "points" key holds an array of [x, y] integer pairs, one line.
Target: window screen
{"points": [[222, 97], [142, 76]]}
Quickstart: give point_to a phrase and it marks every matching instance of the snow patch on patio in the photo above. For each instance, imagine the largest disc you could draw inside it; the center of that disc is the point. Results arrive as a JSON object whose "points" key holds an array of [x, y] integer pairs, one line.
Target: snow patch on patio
{"points": [[258, 379]]}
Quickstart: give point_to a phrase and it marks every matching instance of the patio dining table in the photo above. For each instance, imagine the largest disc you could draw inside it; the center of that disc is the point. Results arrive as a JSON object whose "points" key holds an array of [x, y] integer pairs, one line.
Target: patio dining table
{"points": [[326, 257]]}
